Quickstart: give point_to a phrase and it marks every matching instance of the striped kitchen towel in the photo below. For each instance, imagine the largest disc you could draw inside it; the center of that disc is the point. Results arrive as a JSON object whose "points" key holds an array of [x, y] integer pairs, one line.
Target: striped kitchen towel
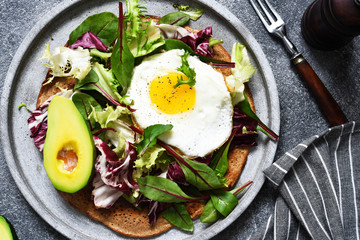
{"points": [[319, 188]]}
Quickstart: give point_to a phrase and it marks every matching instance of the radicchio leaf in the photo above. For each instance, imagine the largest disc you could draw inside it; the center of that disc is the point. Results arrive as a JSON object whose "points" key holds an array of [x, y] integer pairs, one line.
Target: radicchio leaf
{"points": [[199, 42], [241, 121], [176, 174], [116, 173], [90, 40], [155, 207], [37, 122], [103, 195]]}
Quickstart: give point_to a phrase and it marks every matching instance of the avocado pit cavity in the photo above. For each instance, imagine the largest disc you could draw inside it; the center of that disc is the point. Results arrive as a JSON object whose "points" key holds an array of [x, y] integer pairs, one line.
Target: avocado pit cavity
{"points": [[69, 157]]}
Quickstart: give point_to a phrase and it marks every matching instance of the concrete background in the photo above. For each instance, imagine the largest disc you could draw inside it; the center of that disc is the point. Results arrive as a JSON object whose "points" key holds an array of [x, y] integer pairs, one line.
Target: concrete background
{"points": [[300, 116]]}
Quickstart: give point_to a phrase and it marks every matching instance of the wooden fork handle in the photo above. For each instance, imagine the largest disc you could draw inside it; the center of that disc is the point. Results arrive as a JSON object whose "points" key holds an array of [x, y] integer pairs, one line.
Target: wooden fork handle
{"points": [[325, 100]]}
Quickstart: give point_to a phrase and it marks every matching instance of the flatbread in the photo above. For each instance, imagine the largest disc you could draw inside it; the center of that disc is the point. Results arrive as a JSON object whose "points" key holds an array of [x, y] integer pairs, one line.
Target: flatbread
{"points": [[122, 217]]}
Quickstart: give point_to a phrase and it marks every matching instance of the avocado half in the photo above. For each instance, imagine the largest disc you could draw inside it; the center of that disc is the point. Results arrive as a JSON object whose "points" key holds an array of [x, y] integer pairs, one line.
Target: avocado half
{"points": [[69, 149], [7, 231]]}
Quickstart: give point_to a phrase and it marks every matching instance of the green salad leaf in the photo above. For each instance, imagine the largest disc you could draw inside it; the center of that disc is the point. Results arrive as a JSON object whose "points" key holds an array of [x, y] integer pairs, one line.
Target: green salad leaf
{"points": [[103, 25], [176, 19], [240, 74], [246, 108], [223, 201], [163, 190], [91, 77], [210, 213], [142, 35], [200, 175], [122, 64], [85, 103], [179, 216], [194, 14], [150, 135], [219, 161]]}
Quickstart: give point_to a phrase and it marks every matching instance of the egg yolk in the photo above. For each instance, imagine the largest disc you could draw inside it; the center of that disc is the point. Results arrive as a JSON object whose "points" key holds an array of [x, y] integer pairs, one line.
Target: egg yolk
{"points": [[172, 100]]}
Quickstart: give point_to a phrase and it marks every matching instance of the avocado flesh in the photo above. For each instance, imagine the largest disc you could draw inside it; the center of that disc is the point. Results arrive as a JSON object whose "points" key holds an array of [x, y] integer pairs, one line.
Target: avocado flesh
{"points": [[69, 149], [6, 231]]}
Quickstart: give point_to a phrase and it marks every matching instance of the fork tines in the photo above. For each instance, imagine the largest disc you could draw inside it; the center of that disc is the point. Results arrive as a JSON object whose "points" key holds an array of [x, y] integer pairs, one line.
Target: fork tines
{"points": [[272, 20]]}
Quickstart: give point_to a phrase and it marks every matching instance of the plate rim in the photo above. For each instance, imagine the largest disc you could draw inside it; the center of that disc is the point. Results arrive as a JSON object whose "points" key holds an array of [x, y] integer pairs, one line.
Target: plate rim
{"points": [[23, 50]]}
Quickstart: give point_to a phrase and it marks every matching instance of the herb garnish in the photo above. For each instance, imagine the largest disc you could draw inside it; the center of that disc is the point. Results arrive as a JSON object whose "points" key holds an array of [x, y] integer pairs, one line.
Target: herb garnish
{"points": [[187, 70]]}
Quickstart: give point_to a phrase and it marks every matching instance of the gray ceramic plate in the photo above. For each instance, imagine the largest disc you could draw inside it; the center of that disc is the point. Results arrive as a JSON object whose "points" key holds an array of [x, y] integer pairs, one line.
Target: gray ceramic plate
{"points": [[23, 82]]}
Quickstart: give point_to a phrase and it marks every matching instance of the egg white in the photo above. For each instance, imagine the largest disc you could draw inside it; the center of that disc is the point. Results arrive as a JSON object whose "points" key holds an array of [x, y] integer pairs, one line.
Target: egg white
{"points": [[196, 132]]}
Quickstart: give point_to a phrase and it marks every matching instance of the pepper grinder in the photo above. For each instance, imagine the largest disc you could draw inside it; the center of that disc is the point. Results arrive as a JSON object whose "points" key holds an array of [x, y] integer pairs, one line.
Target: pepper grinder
{"points": [[331, 24]]}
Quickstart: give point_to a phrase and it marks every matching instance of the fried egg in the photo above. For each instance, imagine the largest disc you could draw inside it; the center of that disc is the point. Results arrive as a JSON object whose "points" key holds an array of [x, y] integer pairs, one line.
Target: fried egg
{"points": [[201, 115]]}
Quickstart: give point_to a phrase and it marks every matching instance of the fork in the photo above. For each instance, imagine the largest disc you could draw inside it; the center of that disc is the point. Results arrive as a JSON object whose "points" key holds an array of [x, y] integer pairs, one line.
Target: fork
{"points": [[275, 25]]}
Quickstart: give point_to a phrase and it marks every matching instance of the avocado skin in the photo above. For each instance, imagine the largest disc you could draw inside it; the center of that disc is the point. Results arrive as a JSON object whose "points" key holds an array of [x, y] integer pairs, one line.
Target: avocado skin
{"points": [[67, 129], [7, 231]]}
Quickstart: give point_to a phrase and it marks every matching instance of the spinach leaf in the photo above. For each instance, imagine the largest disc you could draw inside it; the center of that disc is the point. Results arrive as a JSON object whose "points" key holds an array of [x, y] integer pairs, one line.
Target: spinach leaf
{"points": [[92, 77], [84, 103], [179, 216], [223, 201], [176, 44], [150, 135], [103, 25], [163, 190], [176, 19], [200, 175], [219, 162], [246, 108], [197, 174], [210, 214], [122, 60]]}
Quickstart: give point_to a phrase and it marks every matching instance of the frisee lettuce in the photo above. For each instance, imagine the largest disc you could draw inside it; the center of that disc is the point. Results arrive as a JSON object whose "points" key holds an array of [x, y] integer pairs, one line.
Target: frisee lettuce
{"points": [[66, 62]]}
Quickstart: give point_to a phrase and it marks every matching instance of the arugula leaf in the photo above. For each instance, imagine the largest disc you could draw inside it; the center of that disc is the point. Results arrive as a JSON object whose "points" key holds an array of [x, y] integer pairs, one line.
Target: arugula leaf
{"points": [[246, 108], [176, 19], [163, 190], [150, 135], [103, 25], [187, 70], [179, 216], [84, 103], [223, 201]]}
